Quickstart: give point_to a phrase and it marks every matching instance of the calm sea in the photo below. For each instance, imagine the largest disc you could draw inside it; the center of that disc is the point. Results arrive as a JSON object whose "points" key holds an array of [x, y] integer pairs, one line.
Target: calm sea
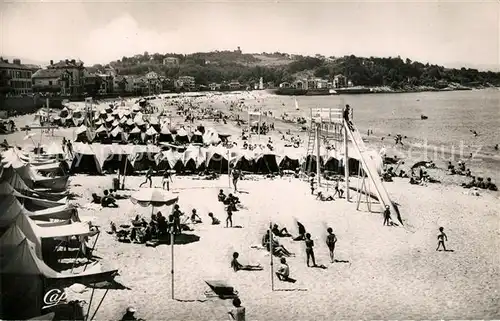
{"points": [[451, 117]]}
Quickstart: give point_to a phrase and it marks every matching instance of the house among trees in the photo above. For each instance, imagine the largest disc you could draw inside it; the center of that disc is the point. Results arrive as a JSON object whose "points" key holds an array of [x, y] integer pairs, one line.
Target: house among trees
{"points": [[51, 81], [171, 61], [73, 74], [214, 86], [339, 81], [186, 83], [234, 85]]}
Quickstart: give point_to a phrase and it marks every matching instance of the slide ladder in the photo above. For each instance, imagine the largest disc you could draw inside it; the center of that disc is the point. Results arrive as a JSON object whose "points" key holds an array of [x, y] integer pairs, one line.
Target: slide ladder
{"points": [[311, 139], [371, 171]]}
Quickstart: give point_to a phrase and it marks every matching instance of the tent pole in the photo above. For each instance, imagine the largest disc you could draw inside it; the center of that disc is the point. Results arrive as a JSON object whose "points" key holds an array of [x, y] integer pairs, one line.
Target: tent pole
{"points": [[228, 168], [124, 171], [93, 247], [77, 255], [271, 252], [172, 258], [99, 305], [318, 159], [90, 303]]}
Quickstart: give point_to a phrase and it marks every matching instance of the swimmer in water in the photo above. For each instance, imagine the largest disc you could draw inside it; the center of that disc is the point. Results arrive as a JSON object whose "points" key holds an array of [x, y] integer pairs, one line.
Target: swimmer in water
{"points": [[474, 132]]}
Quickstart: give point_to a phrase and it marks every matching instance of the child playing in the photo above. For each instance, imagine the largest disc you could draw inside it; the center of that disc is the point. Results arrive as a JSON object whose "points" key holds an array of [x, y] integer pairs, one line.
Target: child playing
{"points": [[149, 174], [441, 238]]}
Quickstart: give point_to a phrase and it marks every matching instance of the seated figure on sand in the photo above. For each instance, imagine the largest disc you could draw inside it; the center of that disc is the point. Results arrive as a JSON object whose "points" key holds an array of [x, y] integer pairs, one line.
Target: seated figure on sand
{"points": [[280, 232], [221, 196], [108, 201], [283, 272], [215, 221], [324, 198], [302, 232], [195, 218], [237, 266], [489, 185]]}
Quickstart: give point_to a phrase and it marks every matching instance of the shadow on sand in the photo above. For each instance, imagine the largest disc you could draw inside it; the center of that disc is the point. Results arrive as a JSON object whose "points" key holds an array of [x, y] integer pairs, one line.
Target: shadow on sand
{"points": [[180, 239], [340, 261]]}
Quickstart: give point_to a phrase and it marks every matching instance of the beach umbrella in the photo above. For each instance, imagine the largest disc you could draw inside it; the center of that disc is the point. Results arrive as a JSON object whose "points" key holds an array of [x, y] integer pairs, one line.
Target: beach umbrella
{"points": [[30, 136], [154, 197], [157, 197]]}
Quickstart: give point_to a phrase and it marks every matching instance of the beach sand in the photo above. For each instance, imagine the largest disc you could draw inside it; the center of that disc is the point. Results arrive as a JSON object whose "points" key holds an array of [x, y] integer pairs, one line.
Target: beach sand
{"points": [[390, 273]]}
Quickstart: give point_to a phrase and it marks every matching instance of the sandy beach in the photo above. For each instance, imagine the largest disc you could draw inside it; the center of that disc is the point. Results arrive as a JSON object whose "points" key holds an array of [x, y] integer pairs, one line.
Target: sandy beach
{"points": [[385, 273]]}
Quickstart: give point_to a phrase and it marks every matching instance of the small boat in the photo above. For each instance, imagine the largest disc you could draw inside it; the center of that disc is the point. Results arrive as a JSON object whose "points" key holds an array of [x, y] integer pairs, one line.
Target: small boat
{"points": [[423, 117], [296, 104]]}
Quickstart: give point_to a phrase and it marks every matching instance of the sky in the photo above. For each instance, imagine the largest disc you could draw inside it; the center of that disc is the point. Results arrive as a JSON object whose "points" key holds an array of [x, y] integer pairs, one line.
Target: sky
{"points": [[441, 32]]}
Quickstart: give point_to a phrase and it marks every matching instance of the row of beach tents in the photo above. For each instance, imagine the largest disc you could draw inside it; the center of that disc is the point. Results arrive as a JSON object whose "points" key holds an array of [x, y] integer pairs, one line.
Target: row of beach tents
{"points": [[36, 222], [95, 159]]}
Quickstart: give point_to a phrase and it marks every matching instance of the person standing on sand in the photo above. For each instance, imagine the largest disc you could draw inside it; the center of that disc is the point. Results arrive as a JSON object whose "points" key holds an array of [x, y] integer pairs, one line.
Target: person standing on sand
{"points": [[229, 219], [236, 176], [311, 182], [309, 250], [331, 239], [338, 190], [387, 216], [441, 238], [238, 312], [69, 145], [149, 174], [167, 178]]}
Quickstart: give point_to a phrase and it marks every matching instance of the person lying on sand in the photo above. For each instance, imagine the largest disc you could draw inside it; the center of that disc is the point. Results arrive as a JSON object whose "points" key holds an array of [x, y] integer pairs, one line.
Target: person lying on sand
{"points": [[324, 198], [195, 219], [278, 249], [470, 184], [237, 266], [112, 193], [215, 221], [280, 233], [108, 201]]}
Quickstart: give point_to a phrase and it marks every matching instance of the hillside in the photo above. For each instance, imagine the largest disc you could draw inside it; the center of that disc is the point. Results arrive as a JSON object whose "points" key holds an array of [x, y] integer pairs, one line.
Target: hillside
{"points": [[220, 66]]}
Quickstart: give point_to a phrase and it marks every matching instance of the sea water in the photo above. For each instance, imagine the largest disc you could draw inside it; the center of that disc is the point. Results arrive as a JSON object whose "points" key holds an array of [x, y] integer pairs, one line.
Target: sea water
{"points": [[445, 134]]}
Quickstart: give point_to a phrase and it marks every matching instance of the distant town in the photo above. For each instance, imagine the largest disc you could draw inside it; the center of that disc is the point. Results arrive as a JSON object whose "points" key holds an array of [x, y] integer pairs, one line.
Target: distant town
{"points": [[71, 78], [150, 74]]}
